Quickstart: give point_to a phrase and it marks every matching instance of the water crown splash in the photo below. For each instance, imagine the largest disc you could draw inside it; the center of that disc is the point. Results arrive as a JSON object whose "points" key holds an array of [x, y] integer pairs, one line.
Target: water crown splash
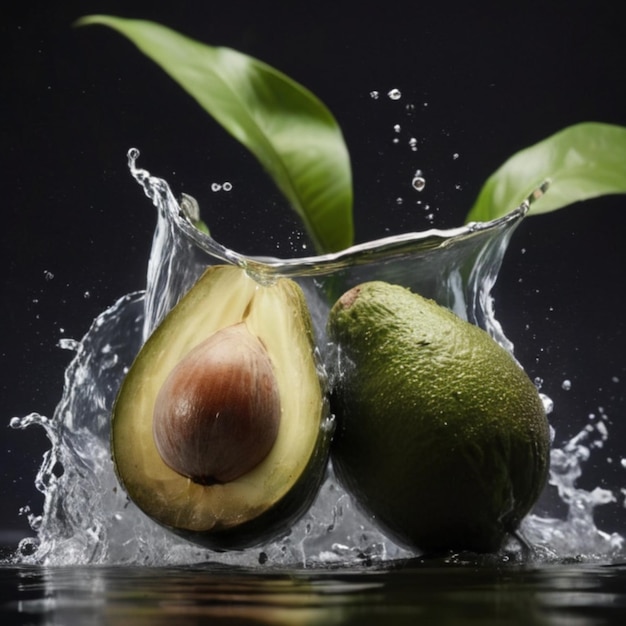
{"points": [[88, 519]]}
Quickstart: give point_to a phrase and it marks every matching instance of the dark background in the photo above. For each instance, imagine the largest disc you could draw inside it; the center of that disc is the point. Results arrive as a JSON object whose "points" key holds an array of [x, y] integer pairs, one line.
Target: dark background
{"points": [[484, 79]]}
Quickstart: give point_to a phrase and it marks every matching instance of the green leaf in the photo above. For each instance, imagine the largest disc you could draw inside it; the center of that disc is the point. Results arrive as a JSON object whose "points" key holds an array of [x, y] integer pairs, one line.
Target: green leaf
{"points": [[580, 162], [291, 133]]}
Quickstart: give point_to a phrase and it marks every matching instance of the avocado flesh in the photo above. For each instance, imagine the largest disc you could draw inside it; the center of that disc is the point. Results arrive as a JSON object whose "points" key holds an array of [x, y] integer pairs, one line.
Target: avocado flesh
{"points": [[266, 499], [441, 437]]}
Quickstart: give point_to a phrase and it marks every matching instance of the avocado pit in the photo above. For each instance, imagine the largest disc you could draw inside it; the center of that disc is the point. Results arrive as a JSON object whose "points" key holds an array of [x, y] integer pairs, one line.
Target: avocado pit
{"points": [[218, 412]]}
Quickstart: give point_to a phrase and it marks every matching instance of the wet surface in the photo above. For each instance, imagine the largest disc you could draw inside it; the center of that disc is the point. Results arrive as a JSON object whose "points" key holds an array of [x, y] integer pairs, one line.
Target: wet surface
{"points": [[406, 593]]}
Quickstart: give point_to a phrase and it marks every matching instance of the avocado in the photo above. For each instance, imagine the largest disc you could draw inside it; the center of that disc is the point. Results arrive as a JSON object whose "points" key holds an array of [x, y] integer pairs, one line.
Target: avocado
{"points": [[220, 430], [441, 436]]}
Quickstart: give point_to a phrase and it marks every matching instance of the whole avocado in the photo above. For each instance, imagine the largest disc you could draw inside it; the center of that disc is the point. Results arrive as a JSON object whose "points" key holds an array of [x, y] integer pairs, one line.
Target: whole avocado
{"points": [[441, 436]]}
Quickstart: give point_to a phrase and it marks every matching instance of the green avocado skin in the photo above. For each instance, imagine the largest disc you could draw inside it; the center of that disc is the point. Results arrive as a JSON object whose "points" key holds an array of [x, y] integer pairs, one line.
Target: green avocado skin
{"points": [[441, 436]]}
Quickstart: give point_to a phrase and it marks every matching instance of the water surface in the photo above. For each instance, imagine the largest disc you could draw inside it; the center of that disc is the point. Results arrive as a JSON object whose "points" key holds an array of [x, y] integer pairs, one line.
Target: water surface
{"points": [[407, 592]]}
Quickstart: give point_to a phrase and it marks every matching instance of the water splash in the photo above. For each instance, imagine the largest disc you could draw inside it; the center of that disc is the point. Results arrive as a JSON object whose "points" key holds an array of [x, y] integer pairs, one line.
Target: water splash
{"points": [[88, 519], [576, 534]]}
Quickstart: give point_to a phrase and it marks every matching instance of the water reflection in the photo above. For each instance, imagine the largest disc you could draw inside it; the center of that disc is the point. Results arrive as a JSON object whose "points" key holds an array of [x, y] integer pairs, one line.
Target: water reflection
{"points": [[403, 593]]}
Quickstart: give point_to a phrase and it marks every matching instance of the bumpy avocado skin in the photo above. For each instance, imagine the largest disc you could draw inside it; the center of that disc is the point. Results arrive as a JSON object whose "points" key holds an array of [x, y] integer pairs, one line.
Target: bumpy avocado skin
{"points": [[441, 436], [225, 295]]}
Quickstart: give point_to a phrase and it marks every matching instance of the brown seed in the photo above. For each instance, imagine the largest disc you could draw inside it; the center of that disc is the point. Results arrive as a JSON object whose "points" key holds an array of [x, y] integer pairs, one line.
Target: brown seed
{"points": [[217, 414]]}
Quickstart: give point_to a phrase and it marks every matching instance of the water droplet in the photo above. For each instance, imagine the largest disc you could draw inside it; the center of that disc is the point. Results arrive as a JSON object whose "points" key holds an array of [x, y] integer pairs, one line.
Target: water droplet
{"points": [[418, 182], [395, 94], [68, 344], [399, 200], [615, 379], [374, 95], [566, 384], [226, 186], [623, 462], [87, 295], [547, 402], [538, 382], [413, 144], [455, 156], [397, 128], [28, 546], [109, 361]]}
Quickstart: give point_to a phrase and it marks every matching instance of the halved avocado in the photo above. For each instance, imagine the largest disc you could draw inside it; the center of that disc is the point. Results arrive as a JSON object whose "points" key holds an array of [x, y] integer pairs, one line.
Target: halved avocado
{"points": [[265, 500]]}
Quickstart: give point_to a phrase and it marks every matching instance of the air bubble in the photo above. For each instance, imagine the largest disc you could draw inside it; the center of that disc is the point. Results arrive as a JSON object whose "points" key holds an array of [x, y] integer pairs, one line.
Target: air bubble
{"points": [[48, 275], [397, 128], [395, 94], [216, 187], [227, 186]]}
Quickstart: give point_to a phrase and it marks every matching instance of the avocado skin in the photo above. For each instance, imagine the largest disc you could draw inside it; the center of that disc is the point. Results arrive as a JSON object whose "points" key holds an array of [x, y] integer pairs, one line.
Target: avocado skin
{"points": [[441, 436]]}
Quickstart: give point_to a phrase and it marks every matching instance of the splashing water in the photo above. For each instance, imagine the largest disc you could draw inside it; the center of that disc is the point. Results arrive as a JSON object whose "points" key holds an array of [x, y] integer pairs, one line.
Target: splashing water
{"points": [[88, 519]]}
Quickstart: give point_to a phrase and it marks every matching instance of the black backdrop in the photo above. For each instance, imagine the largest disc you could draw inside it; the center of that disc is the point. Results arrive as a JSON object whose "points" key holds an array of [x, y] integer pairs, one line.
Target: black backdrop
{"points": [[485, 80]]}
